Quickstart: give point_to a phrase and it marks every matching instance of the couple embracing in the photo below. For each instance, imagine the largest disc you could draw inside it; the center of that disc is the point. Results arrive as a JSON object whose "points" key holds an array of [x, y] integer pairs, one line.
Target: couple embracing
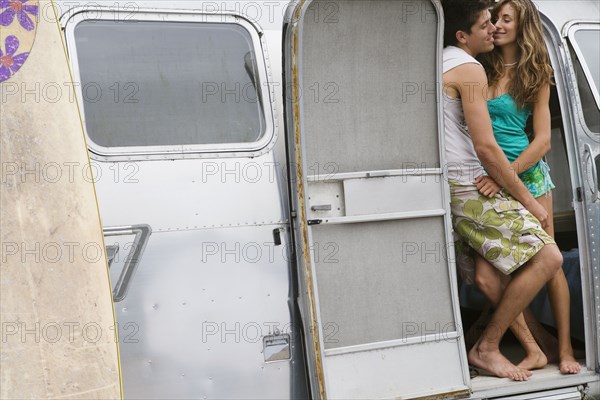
{"points": [[497, 75]]}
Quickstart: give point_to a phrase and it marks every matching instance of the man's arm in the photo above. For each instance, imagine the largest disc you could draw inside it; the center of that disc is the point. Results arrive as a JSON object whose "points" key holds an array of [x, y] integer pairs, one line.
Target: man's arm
{"points": [[471, 84]]}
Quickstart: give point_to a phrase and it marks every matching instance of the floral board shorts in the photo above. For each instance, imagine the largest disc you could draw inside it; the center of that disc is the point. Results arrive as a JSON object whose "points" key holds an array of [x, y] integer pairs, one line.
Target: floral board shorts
{"points": [[538, 180], [500, 229]]}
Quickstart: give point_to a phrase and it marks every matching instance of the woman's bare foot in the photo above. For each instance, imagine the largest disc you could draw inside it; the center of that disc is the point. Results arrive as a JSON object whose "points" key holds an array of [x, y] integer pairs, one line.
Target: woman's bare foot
{"points": [[496, 363], [568, 364], [535, 360]]}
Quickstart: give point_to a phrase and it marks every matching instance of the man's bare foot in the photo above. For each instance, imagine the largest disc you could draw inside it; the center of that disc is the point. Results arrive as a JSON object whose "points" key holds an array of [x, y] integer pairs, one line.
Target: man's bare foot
{"points": [[535, 360], [568, 364], [497, 364]]}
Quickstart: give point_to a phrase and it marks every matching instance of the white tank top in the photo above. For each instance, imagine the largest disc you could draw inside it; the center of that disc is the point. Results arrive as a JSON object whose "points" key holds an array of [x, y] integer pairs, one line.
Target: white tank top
{"points": [[462, 162]]}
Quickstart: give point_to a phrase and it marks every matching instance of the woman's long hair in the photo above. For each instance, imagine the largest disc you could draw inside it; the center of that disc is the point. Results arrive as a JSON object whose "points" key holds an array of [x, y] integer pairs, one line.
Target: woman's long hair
{"points": [[533, 70]]}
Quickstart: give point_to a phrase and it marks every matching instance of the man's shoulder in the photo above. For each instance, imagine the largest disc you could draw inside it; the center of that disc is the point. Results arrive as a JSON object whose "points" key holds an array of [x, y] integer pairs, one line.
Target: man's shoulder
{"points": [[455, 57], [450, 51], [465, 74], [463, 80], [468, 70]]}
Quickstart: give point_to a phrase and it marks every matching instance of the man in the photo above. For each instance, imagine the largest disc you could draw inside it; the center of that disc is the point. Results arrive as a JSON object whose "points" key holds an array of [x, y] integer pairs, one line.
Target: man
{"points": [[506, 232]]}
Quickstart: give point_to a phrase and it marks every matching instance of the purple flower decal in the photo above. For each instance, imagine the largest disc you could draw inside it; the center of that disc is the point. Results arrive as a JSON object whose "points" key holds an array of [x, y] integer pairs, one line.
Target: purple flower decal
{"points": [[10, 8], [9, 62]]}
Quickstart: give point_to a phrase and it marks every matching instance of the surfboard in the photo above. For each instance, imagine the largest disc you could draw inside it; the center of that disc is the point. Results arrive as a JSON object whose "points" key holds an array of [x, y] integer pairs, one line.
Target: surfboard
{"points": [[56, 310]]}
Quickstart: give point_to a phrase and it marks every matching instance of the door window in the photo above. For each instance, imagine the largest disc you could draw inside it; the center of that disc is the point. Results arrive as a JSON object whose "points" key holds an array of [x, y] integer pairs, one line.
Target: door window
{"points": [[586, 59]]}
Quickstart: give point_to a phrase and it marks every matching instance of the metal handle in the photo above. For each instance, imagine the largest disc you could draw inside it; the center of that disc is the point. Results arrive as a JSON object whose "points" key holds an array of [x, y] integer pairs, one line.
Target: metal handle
{"points": [[378, 174], [321, 207], [588, 156], [276, 347], [142, 233]]}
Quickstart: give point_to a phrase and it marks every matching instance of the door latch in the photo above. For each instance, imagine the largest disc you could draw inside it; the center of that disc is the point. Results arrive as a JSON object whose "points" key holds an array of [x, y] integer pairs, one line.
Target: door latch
{"points": [[276, 347]]}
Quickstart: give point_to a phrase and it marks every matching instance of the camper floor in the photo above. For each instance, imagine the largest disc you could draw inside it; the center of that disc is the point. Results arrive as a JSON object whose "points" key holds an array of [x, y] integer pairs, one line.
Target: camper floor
{"points": [[541, 379]]}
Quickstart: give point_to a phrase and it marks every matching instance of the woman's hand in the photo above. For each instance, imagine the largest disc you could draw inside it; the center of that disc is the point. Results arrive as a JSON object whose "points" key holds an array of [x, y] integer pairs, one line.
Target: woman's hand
{"points": [[487, 186]]}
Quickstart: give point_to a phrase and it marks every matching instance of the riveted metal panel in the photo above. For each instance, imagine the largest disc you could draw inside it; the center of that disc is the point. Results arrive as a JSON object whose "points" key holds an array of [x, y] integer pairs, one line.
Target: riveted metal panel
{"points": [[197, 311], [210, 310]]}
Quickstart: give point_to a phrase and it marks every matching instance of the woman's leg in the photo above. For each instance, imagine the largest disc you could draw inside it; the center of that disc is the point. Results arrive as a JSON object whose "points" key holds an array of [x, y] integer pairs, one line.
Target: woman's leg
{"points": [[492, 283], [558, 291]]}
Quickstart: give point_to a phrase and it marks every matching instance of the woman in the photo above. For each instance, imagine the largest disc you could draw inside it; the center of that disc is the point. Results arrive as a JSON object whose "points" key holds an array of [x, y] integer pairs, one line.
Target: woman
{"points": [[519, 78]]}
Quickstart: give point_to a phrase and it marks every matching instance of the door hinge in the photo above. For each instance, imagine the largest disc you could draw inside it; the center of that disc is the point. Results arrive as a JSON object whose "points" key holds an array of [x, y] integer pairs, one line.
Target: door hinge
{"points": [[580, 194]]}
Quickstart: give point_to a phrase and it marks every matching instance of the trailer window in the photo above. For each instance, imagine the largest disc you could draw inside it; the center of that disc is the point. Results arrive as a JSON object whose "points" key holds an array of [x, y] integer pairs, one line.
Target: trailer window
{"points": [[586, 56], [155, 83]]}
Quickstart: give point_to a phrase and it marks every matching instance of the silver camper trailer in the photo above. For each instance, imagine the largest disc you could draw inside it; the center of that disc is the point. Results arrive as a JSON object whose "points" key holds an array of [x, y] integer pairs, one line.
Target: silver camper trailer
{"points": [[271, 183]]}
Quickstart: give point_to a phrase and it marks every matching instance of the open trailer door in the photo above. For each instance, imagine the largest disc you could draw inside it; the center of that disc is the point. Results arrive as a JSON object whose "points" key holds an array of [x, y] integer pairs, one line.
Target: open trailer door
{"points": [[373, 226]]}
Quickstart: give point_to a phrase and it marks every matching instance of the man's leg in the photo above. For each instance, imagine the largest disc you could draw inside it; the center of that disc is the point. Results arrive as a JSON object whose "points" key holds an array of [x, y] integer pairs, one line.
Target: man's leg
{"points": [[518, 294], [492, 284]]}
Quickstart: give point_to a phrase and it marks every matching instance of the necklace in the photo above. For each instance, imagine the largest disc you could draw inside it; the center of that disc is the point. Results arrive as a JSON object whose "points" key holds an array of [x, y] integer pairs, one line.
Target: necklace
{"points": [[511, 64]]}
